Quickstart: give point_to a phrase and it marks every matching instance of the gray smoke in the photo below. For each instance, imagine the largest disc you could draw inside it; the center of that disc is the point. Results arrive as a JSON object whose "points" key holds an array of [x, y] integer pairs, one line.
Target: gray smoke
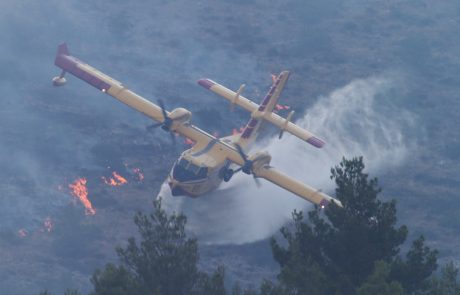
{"points": [[355, 120]]}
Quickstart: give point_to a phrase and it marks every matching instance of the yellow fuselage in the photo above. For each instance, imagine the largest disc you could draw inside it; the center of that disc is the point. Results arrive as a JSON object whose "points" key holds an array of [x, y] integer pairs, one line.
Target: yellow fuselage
{"points": [[196, 173]]}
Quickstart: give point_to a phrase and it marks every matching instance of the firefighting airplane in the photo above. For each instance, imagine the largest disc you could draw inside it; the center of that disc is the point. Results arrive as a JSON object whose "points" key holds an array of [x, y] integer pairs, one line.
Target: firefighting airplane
{"points": [[202, 168]]}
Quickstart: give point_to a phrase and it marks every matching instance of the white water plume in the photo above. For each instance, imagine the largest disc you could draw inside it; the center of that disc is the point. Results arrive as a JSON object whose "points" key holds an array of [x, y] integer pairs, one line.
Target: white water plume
{"points": [[356, 120]]}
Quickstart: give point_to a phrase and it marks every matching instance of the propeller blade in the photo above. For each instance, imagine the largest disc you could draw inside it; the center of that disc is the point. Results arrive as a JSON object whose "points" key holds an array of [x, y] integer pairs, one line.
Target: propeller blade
{"points": [[153, 126], [256, 179], [163, 111], [173, 138], [241, 152]]}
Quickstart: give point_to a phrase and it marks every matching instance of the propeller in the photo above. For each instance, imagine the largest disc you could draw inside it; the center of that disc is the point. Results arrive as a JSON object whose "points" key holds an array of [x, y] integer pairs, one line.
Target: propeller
{"points": [[166, 124], [247, 166]]}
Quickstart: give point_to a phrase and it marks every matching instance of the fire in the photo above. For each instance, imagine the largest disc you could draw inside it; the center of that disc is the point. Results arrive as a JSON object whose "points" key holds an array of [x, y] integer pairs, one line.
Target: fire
{"points": [[120, 179], [48, 224], [237, 131], [80, 191], [280, 107], [115, 180], [22, 233], [138, 173], [188, 141]]}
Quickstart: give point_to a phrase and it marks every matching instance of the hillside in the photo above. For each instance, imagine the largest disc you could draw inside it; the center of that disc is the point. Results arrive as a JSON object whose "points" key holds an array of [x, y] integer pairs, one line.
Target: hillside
{"points": [[376, 78]]}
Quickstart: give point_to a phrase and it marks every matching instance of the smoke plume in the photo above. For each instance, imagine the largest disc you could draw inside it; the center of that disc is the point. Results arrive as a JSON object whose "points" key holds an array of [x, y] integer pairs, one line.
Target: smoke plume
{"points": [[355, 120]]}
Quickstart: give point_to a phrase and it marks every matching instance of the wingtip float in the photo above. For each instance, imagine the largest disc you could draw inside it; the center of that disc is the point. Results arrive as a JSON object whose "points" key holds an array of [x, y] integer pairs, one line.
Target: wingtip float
{"points": [[210, 160]]}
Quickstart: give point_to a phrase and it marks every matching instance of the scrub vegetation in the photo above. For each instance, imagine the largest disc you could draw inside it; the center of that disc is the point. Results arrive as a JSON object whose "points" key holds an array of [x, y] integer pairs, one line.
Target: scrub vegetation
{"points": [[350, 250]]}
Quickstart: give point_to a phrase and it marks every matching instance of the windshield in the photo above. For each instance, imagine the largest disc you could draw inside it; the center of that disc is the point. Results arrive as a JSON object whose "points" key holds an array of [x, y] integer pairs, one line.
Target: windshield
{"points": [[186, 171]]}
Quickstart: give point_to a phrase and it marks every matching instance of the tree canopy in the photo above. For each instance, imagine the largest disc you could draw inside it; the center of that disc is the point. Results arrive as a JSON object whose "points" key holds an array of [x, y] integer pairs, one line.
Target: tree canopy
{"points": [[337, 249], [164, 261], [351, 250]]}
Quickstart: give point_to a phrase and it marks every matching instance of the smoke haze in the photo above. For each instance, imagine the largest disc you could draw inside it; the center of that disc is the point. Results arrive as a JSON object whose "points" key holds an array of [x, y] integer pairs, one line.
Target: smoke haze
{"points": [[50, 136]]}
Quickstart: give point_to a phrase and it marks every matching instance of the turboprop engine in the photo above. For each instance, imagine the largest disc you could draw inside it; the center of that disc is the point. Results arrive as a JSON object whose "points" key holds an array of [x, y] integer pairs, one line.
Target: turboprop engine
{"points": [[180, 116], [259, 160]]}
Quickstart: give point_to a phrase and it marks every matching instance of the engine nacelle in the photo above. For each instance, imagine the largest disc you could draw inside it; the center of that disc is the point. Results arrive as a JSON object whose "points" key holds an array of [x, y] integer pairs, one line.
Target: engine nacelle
{"points": [[180, 116], [59, 81], [259, 160]]}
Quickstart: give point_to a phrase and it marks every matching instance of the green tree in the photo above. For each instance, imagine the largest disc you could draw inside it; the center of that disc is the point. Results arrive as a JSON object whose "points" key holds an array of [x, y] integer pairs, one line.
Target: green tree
{"points": [[164, 261], [335, 250], [415, 271], [114, 280], [377, 282], [447, 283]]}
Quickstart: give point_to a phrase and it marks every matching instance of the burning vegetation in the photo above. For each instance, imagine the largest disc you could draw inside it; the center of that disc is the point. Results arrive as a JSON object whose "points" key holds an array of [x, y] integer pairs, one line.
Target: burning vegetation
{"points": [[139, 175], [115, 180], [80, 191], [237, 131], [22, 233], [48, 224]]}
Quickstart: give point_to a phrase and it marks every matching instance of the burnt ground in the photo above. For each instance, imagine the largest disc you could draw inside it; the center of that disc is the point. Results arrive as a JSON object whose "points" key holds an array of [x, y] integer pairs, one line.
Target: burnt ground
{"points": [[49, 137]]}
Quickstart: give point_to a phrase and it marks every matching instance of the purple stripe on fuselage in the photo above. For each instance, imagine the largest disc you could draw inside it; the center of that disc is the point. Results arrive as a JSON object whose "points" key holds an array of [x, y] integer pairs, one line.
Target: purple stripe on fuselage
{"points": [[249, 128], [252, 123], [269, 95], [246, 133], [316, 142], [206, 83], [70, 64], [265, 102]]}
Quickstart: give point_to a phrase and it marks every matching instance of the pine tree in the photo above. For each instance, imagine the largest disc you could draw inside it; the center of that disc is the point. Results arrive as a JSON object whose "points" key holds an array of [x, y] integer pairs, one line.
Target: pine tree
{"points": [[447, 283], [377, 283], [415, 271], [164, 261], [334, 251]]}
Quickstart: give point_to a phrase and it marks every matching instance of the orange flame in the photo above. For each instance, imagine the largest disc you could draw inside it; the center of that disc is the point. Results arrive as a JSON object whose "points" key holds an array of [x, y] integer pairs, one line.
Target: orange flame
{"points": [[138, 173], [237, 131], [80, 191], [120, 179], [115, 180], [22, 233], [48, 224], [280, 107], [188, 141]]}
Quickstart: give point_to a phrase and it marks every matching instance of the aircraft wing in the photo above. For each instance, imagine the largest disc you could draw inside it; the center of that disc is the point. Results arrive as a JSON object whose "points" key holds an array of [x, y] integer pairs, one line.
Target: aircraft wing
{"points": [[300, 189], [264, 111], [112, 87], [262, 169], [230, 95]]}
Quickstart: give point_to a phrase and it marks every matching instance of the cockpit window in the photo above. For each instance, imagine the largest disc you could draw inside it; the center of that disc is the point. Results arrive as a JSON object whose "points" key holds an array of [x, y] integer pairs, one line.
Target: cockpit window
{"points": [[194, 168], [187, 171], [203, 172], [183, 162]]}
